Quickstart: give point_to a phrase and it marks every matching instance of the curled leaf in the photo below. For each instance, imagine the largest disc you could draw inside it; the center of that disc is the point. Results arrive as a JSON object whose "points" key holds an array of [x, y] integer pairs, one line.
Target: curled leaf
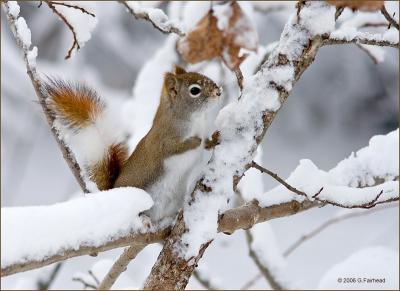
{"points": [[223, 32]]}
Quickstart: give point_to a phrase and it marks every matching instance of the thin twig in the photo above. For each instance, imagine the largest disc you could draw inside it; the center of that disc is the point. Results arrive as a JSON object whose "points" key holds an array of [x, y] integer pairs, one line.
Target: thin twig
{"points": [[251, 282], [362, 40], [389, 18], [328, 223], [145, 16], [264, 270], [203, 281], [75, 43], [366, 205], [85, 284], [83, 10]]}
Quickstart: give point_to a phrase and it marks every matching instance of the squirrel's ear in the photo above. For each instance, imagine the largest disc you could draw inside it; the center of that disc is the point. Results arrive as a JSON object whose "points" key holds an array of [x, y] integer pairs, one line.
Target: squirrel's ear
{"points": [[179, 70], [171, 84]]}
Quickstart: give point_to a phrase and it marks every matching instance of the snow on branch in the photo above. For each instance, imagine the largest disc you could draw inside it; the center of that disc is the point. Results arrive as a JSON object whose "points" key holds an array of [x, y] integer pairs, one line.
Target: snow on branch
{"points": [[242, 217], [75, 17], [85, 222], [22, 36], [155, 16], [363, 180]]}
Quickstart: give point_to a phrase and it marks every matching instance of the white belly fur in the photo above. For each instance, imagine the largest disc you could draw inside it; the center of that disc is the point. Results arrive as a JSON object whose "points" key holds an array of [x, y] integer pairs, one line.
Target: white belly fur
{"points": [[181, 171]]}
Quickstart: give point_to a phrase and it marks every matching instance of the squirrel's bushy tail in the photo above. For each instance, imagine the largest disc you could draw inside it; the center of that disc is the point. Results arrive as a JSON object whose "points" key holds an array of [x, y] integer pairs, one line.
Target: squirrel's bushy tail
{"points": [[89, 128]]}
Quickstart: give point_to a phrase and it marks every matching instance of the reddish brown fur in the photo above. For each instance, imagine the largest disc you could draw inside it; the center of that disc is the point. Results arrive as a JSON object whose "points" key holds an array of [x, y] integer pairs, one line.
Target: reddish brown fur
{"points": [[105, 172], [75, 105]]}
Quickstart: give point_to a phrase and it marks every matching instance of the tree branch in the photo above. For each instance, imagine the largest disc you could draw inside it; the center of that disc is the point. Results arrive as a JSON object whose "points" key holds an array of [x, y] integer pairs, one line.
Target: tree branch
{"points": [[328, 223], [389, 18], [275, 285], [231, 220], [38, 86], [359, 39], [120, 266], [164, 24]]}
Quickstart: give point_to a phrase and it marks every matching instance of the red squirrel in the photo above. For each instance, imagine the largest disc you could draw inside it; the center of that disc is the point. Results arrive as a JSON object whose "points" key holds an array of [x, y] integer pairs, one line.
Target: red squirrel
{"points": [[162, 162]]}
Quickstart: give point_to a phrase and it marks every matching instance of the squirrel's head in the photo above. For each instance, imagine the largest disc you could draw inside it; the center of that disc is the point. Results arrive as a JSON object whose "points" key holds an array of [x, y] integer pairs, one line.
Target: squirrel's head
{"points": [[189, 91]]}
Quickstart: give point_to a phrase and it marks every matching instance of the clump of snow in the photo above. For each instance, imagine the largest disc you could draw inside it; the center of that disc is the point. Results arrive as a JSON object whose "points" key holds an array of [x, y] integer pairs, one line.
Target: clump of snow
{"points": [[193, 12], [319, 20], [91, 221], [391, 35], [223, 13], [82, 23], [23, 31], [373, 268], [378, 160], [157, 16], [31, 57], [13, 8]]}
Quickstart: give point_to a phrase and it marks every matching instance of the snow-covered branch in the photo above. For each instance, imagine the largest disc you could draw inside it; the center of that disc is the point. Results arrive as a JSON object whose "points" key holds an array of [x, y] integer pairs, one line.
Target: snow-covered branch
{"points": [[22, 36], [104, 234], [155, 16]]}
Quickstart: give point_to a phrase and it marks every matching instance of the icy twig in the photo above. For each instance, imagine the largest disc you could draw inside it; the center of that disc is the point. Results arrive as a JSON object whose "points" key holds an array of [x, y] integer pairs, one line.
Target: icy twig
{"points": [[361, 39], [83, 10], [161, 22], [38, 86]]}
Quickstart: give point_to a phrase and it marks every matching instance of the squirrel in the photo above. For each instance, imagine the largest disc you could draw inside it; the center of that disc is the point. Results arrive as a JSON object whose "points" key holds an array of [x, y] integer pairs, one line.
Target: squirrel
{"points": [[164, 161]]}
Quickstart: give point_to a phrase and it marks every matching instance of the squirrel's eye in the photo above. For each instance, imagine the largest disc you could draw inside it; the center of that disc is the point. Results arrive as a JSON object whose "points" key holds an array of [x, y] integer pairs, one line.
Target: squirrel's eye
{"points": [[194, 90]]}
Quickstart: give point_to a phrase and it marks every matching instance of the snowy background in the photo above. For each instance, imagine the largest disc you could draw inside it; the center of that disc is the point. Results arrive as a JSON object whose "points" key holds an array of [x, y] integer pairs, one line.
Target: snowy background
{"points": [[340, 102]]}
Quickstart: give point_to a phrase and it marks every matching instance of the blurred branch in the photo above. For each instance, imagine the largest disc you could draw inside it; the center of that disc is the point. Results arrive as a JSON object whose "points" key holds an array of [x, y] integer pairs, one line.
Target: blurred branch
{"points": [[231, 220], [120, 266], [328, 223], [164, 24], [251, 282], [38, 86], [264, 270], [389, 18], [44, 284], [204, 281]]}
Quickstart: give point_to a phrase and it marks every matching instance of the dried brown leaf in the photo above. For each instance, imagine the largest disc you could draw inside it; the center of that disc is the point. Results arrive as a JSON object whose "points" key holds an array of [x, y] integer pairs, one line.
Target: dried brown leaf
{"points": [[207, 40]]}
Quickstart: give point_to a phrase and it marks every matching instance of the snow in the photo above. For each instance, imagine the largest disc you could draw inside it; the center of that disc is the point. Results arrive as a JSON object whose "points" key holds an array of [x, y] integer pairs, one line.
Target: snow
{"points": [[223, 13], [319, 20], [266, 247], [157, 16], [378, 160], [391, 35], [91, 221], [23, 31], [82, 23], [373, 268], [31, 57], [376, 52], [13, 8]]}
